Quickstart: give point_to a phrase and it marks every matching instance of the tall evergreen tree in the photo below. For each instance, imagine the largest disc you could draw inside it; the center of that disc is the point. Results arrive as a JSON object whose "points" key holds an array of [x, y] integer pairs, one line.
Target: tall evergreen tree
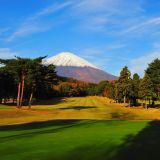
{"points": [[153, 72], [135, 88], [18, 68], [146, 89], [124, 84], [39, 77], [29, 72]]}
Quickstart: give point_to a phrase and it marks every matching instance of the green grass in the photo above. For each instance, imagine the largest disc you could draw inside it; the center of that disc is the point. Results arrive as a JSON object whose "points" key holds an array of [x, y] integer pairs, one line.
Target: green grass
{"points": [[80, 140], [80, 128], [5, 107]]}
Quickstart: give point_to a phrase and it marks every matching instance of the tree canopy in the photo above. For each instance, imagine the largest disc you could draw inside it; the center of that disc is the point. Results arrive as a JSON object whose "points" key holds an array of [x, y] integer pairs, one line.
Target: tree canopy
{"points": [[30, 76]]}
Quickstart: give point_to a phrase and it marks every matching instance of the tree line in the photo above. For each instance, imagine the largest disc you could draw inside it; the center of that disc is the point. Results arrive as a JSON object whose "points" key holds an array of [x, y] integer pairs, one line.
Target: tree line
{"points": [[21, 79], [127, 89]]}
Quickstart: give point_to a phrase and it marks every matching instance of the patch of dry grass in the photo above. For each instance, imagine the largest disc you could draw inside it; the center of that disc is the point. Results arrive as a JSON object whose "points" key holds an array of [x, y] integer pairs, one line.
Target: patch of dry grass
{"points": [[76, 108]]}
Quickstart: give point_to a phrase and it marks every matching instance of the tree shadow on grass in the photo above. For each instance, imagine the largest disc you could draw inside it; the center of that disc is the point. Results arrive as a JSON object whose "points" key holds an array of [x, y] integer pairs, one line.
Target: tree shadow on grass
{"points": [[102, 151], [53, 101], [122, 115], [156, 106], [37, 125], [144, 146], [38, 128], [78, 107]]}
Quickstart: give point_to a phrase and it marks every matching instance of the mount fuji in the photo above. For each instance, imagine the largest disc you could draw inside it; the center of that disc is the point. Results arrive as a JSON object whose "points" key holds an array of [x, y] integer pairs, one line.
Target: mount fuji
{"points": [[70, 65]]}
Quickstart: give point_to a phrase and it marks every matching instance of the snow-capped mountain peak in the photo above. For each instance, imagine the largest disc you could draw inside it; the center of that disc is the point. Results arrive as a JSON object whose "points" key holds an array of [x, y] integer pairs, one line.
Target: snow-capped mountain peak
{"points": [[70, 65], [68, 59]]}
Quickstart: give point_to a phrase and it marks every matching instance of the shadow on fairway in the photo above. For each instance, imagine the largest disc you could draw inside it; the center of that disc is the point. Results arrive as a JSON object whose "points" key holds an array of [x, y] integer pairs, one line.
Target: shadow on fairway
{"points": [[122, 115], [53, 101], [78, 107], [144, 146], [38, 125], [37, 128], [156, 106]]}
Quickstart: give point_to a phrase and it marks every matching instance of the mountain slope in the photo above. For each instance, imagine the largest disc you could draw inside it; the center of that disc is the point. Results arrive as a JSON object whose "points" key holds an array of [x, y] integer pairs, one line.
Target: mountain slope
{"points": [[70, 65]]}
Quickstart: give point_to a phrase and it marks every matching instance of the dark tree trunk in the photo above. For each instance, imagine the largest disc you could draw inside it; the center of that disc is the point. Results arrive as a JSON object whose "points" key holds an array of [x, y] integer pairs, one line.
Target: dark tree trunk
{"points": [[153, 103], [30, 100], [18, 94], [149, 102], [22, 92], [135, 102]]}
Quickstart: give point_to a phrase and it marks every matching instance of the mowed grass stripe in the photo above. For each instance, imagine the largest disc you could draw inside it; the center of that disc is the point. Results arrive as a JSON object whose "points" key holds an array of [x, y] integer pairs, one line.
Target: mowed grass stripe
{"points": [[77, 108]]}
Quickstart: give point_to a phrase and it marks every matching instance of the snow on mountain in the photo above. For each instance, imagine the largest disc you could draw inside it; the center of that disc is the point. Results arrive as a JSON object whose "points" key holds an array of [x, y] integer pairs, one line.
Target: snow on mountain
{"points": [[68, 59], [69, 65]]}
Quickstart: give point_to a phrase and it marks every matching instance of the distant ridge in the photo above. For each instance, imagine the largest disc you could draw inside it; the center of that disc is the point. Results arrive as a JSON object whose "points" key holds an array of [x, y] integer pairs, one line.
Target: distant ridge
{"points": [[70, 65]]}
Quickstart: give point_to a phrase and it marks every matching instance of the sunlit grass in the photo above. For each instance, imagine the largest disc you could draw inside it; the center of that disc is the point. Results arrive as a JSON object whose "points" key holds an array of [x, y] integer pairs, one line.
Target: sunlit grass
{"points": [[6, 107], [99, 108], [67, 140], [81, 128]]}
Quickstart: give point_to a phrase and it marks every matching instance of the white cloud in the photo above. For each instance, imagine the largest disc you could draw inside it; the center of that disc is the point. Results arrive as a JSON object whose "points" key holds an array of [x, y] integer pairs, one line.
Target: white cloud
{"points": [[95, 24], [107, 6], [138, 65], [115, 17], [105, 15], [6, 53], [90, 6], [115, 46], [91, 15], [27, 29], [32, 24], [143, 26], [51, 9]]}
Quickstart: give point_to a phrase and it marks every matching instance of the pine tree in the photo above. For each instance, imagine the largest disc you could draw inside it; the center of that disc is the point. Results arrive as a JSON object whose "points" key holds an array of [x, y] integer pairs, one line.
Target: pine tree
{"points": [[30, 72], [135, 88], [146, 89], [18, 68], [123, 85], [153, 72]]}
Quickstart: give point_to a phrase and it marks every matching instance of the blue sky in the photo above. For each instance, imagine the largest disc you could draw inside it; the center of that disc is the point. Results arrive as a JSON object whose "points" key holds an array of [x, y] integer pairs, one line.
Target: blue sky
{"points": [[108, 33]]}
